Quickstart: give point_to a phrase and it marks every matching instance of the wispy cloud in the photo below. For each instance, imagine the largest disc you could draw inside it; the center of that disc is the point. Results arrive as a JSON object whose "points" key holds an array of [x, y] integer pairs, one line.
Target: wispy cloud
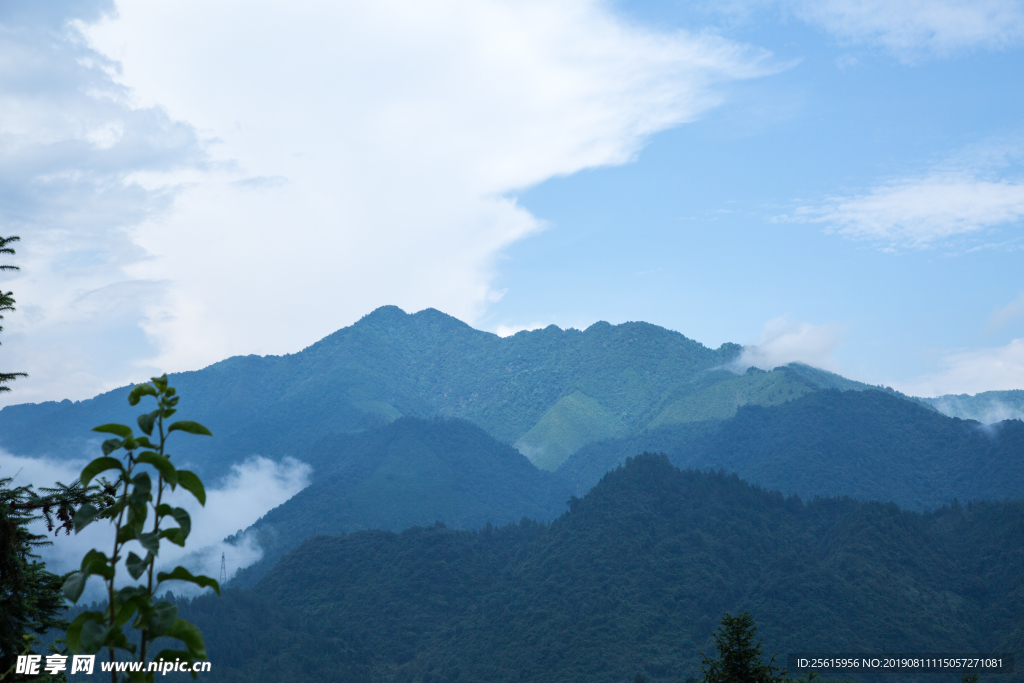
{"points": [[974, 192], [1004, 315], [784, 341], [911, 30], [918, 213], [972, 372], [915, 28]]}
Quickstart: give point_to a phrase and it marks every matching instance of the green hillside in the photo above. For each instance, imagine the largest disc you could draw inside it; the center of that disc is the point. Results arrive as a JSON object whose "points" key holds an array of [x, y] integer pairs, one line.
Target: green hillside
{"points": [[411, 472], [872, 445], [633, 580]]}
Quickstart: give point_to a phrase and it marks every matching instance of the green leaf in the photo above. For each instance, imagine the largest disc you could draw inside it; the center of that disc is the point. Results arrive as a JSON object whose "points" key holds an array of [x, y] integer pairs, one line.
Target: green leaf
{"points": [[190, 635], [97, 563], [181, 516], [122, 431], [138, 510], [147, 420], [138, 391], [165, 617], [111, 445], [190, 427], [160, 382], [163, 466], [93, 636], [125, 534], [131, 605], [84, 516], [73, 636], [73, 587], [191, 483], [143, 485], [99, 465], [150, 542], [175, 536], [182, 574], [136, 565]]}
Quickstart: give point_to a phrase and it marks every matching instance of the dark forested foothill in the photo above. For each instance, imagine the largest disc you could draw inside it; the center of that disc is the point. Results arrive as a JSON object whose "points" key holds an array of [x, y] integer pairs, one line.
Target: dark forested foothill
{"points": [[410, 472], [871, 445], [634, 578]]}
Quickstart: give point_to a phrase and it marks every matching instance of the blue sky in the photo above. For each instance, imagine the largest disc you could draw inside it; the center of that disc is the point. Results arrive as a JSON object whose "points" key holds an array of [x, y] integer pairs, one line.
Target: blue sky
{"points": [[837, 182]]}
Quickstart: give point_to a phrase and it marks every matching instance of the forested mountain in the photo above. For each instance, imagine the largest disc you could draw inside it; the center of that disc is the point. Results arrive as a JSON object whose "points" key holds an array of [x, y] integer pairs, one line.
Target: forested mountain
{"points": [[548, 392], [871, 445], [410, 472], [632, 580]]}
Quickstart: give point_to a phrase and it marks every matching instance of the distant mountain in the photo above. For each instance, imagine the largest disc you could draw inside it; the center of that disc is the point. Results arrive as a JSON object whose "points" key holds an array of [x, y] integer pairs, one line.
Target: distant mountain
{"points": [[633, 580], [410, 472], [871, 445], [549, 392], [987, 407]]}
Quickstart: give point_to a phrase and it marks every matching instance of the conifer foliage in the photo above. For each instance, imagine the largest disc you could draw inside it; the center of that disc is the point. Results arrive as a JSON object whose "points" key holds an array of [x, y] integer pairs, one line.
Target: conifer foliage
{"points": [[739, 654]]}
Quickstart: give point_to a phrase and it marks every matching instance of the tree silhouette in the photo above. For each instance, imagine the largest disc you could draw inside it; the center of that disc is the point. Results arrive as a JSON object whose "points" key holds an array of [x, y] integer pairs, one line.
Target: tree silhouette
{"points": [[739, 658], [7, 304]]}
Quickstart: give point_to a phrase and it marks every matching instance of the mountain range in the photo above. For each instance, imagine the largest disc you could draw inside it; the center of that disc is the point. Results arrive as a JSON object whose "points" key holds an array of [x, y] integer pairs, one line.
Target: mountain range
{"points": [[567, 505], [548, 392]]}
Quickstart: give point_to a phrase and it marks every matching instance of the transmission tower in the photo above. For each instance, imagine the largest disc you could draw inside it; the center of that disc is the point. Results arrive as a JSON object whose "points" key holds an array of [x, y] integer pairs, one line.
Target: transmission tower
{"points": [[223, 571]]}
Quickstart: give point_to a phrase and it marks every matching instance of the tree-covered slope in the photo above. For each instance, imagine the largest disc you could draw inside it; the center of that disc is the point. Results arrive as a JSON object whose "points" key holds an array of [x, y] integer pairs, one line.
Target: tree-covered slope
{"points": [[391, 364], [986, 407], [633, 579], [872, 445], [410, 472]]}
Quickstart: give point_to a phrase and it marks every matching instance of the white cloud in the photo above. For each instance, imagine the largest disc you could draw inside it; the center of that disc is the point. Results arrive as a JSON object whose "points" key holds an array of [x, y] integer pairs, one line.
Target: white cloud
{"points": [[786, 341], [972, 372], [509, 330], [910, 28], [919, 213], [359, 155], [252, 489], [971, 193]]}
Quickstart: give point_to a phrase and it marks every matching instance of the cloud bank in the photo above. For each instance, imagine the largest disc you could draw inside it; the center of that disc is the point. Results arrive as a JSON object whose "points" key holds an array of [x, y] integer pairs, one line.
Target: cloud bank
{"points": [[198, 180], [252, 489]]}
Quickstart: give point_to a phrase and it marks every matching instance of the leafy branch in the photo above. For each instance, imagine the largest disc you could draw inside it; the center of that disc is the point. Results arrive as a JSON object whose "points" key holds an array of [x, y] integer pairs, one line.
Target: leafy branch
{"points": [[135, 498]]}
